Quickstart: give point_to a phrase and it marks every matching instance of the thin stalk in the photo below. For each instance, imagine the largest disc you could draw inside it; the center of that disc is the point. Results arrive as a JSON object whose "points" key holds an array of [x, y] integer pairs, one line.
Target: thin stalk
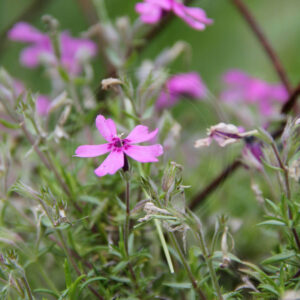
{"points": [[164, 245], [207, 258], [127, 219], [186, 266], [27, 287], [126, 235]]}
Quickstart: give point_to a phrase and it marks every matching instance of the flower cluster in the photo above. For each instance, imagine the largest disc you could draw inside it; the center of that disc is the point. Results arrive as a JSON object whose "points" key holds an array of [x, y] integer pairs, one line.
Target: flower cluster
{"points": [[151, 11], [242, 88], [119, 148], [41, 48], [186, 84]]}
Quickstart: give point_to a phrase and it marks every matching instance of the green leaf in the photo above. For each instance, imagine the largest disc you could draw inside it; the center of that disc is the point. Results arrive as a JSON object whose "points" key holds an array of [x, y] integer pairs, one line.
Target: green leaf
{"points": [[68, 276], [8, 124], [46, 291], [278, 257], [271, 167], [272, 222], [269, 288], [179, 285]]}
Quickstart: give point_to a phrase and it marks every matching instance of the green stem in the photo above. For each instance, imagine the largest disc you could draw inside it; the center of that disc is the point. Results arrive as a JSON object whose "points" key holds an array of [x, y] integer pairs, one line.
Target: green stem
{"points": [[186, 266], [164, 245], [287, 192], [127, 220], [27, 287]]}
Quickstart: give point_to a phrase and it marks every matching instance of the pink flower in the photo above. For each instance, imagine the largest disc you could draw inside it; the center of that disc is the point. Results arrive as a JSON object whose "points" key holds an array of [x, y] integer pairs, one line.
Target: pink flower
{"points": [[42, 105], [189, 84], [223, 134], [151, 11], [119, 148], [243, 88], [71, 48]]}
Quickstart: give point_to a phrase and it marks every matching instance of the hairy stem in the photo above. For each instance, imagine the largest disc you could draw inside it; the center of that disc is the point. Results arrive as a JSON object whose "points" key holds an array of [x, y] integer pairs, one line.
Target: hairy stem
{"points": [[186, 266], [207, 257]]}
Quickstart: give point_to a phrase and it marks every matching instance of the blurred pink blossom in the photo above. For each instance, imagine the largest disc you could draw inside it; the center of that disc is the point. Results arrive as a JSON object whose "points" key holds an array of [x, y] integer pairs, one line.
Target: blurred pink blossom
{"points": [[188, 84], [119, 147], [151, 11], [40, 46], [246, 89]]}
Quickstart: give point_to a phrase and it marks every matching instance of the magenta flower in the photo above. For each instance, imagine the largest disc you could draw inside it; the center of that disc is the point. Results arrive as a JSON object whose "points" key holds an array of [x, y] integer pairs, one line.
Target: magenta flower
{"points": [[151, 11], [119, 148], [186, 84], [41, 47], [223, 134], [42, 105], [242, 88]]}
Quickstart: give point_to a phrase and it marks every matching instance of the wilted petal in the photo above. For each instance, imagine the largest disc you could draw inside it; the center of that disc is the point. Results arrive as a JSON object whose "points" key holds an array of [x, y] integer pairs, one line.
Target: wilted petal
{"points": [[24, 32], [107, 128], [144, 153], [203, 142], [141, 134], [113, 162], [92, 150]]}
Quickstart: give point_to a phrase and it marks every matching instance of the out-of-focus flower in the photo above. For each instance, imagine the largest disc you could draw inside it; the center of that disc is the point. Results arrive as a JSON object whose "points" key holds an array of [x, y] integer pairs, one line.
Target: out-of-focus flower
{"points": [[151, 11], [253, 154], [223, 134], [242, 88], [42, 105], [119, 147], [71, 48], [185, 84]]}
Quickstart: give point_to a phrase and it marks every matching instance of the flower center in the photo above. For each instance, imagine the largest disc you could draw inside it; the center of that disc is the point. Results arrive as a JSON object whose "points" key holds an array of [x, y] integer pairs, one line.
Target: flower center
{"points": [[118, 144]]}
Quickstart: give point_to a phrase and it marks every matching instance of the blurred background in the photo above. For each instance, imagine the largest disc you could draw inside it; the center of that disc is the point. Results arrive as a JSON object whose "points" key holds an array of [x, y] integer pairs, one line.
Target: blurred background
{"points": [[227, 44]]}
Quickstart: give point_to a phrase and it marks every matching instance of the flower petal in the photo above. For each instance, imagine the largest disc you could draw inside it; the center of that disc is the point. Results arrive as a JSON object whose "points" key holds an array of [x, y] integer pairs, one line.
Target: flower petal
{"points": [[107, 128], [149, 13], [24, 32], [30, 56], [203, 142], [113, 162], [42, 105], [141, 134], [91, 150], [144, 153], [193, 16]]}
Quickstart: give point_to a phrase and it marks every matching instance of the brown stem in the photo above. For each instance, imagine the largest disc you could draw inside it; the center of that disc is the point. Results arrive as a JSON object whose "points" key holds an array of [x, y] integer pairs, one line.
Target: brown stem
{"points": [[264, 42], [200, 197], [287, 107]]}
